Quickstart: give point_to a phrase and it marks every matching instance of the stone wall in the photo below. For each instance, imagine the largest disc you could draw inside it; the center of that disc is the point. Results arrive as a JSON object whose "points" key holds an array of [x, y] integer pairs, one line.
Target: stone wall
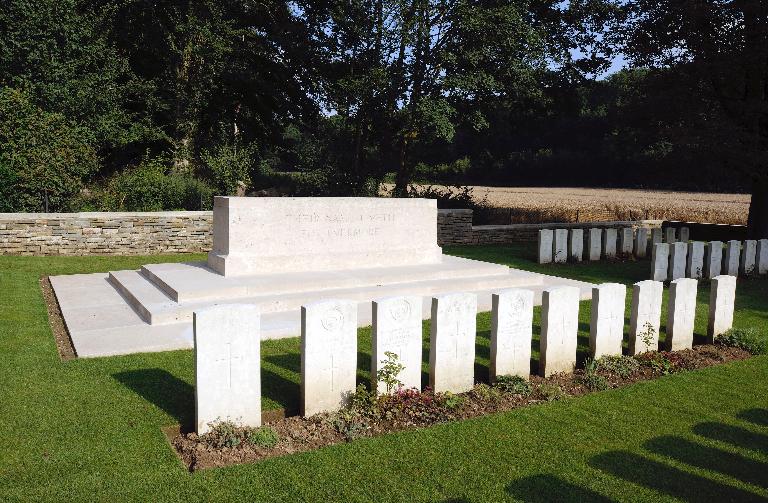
{"points": [[105, 233]]}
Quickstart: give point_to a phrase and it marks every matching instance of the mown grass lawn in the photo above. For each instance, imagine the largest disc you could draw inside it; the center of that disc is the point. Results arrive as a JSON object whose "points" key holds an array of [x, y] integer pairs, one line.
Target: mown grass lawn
{"points": [[90, 429]]}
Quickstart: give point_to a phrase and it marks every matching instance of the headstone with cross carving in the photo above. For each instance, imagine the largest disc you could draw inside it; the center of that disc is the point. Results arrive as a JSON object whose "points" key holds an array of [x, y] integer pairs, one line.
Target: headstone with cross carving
{"points": [[396, 328], [609, 243], [594, 242], [681, 314], [227, 366], [670, 235], [511, 333], [576, 244], [660, 262], [657, 236], [695, 267], [732, 258], [762, 257], [641, 242], [645, 316], [685, 234], [722, 296], [748, 262], [452, 342], [328, 355], [678, 254], [559, 329], [606, 329], [713, 259], [560, 246], [626, 241], [545, 246]]}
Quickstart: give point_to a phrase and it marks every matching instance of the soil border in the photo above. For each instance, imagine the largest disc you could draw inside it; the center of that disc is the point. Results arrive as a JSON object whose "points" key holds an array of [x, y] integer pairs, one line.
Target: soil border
{"points": [[60, 333]]}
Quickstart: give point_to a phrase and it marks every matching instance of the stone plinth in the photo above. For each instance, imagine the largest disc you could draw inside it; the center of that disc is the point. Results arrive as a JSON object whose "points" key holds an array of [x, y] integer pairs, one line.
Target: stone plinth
{"points": [[227, 366], [645, 317], [606, 330], [396, 329], [511, 333], [682, 313], [261, 235], [559, 330], [722, 296], [452, 342]]}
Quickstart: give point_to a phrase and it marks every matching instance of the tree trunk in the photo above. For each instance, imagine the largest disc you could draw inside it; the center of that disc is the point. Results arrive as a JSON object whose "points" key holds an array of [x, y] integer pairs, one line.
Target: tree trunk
{"points": [[757, 222], [403, 176]]}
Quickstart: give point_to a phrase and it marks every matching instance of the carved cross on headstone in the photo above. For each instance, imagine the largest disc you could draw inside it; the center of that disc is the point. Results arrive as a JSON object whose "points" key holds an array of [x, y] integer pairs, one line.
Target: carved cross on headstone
{"points": [[227, 359]]}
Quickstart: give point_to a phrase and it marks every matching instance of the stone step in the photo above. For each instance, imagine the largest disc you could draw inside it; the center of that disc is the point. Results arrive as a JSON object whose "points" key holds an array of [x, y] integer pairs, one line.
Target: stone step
{"points": [[142, 295], [194, 281]]}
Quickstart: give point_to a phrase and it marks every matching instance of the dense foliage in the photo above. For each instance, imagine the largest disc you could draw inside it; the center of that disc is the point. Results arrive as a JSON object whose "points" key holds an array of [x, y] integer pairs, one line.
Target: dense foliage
{"points": [[331, 98]]}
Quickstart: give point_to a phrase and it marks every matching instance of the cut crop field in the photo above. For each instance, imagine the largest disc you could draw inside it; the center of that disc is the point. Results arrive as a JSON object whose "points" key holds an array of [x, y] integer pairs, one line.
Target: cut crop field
{"points": [[542, 204]]}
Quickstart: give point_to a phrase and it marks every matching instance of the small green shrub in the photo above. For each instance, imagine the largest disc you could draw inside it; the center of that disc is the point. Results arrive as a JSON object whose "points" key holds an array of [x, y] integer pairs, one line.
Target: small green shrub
{"points": [[648, 335], [591, 379], [389, 371], [748, 339], [230, 164], [487, 393], [551, 392], [224, 434], [622, 366], [658, 362], [350, 424], [264, 437], [513, 384], [363, 401], [450, 400]]}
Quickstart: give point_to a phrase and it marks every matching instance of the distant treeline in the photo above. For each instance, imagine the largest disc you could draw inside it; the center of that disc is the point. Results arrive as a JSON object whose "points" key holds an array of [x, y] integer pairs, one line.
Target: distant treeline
{"points": [[140, 105]]}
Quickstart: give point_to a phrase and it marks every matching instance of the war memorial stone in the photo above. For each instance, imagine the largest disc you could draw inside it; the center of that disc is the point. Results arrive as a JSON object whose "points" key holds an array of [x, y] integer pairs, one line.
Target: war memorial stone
{"points": [[713, 259], [732, 258], [511, 333], [645, 316], [670, 235], [660, 262], [682, 313], [396, 329], [722, 297], [748, 260], [609, 243], [576, 245], [545, 245], [656, 236], [560, 246], [594, 244], [677, 260], [559, 330], [762, 256], [695, 267], [452, 342], [641, 242], [606, 329], [626, 241]]}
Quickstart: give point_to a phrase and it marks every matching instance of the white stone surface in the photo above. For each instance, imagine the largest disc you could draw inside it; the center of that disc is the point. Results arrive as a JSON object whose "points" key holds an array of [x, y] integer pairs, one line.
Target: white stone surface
{"points": [[682, 313], [732, 258], [594, 244], [762, 256], [695, 267], [576, 245], [657, 236], [685, 234], [660, 262], [545, 246], [722, 297], [227, 366], [258, 235], [396, 328], [560, 246], [677, 260], [670, 235], [645, 316], [609, 243], [328, 355], [641, 242], [748, 262], [606, 329], [559, 330], [511, 333], [713, 259], [452, 342], [626, 241]]}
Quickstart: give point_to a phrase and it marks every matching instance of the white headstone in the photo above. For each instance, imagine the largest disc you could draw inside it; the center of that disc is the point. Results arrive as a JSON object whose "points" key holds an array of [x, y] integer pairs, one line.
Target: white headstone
{"points": [[656, 236], [227, 365], [609, 243], [328, 355], [452, 342], [748, 263], [511, 333], [606, 329], [560, 246], [264, 235], [732, 258], [722, 296], [762, 256], [677, 260], [641, 242], [695, 267], [713, 259], [682, 313], [594, 244], [645, 318], [396, 328], [627, 241], [576, 244], [660, 262], [670, 235], [685, 234], [545, 244], [559, 329]]}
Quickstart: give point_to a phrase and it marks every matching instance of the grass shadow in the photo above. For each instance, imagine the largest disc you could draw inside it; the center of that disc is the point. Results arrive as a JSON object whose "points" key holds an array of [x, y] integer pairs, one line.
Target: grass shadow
{"points": [[734, 435], [549, 488], [754, 416], [280, 390], [158, 386]]}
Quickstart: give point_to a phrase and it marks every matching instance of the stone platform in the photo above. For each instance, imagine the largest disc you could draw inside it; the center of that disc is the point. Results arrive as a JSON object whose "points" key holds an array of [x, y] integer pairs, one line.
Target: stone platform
{"points": [[148, 310]]}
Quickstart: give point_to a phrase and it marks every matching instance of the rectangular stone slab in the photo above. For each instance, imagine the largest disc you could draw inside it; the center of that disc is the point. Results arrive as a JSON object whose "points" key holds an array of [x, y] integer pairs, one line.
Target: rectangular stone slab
{"points": [[257, 235], [678, 258], [641, 242], [545, 244], [748, 260], [685, 234], [626, 241], [682, 313], [511, 333], [559, 330], [713, 259], [606, 329], [670, 235], [576, 245], [695, 267], [328, 355], [732, 258], [645, 316], [396, 329], [722, 296], [452, 342], [594, 244], [227, 366], [660, 262], [762, 256], [560, 246], [609, 243]]}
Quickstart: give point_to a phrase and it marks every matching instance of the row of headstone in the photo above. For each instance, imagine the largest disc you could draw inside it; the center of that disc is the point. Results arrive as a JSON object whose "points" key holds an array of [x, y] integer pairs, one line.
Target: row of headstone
{"points": [[575, 245], [707, 260], [227, 341]]}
